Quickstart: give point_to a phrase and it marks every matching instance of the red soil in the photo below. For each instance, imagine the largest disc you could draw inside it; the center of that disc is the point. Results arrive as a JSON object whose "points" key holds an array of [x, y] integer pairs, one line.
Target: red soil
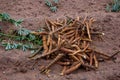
{"points": [[14, 64]]}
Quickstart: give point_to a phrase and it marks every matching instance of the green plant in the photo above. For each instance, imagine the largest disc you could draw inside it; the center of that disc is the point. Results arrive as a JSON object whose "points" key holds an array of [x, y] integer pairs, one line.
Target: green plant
{"points": [[6, 17], [53, 9], [48, 3], [22, 35], [30, 40], [25, 35], [51, 6], [114, 6], [9, 46]]}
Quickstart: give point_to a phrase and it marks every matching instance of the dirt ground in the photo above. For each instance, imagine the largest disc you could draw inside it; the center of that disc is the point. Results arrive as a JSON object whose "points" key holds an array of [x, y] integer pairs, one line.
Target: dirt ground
{"points": [[14, 64]]}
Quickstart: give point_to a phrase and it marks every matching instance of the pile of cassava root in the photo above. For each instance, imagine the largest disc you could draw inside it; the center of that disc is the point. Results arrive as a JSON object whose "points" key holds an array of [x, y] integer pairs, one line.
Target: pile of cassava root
{"points": [[68, 43]]}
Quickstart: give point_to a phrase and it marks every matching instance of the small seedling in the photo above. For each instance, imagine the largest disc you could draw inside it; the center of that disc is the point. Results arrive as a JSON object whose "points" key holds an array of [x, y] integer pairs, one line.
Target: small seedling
{"points": [[6, 17], [17, 22], [52, 7], [114, 6], [23, 31], [48, 3]]}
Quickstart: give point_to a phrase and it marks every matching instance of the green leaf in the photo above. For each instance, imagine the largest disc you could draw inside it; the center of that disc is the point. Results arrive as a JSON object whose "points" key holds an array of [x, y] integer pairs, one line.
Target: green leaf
{"points": [[116, 6], [5, 16], [12, 21], [15, 46], [18, 38], [31, 37], [23, 31], [4, 44], [56, 1], [30, 45], [18, 22], [8, 46], [39, 42], [20, 31], [23, 37], [48, 3], [54, 8], [24, 47]]}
